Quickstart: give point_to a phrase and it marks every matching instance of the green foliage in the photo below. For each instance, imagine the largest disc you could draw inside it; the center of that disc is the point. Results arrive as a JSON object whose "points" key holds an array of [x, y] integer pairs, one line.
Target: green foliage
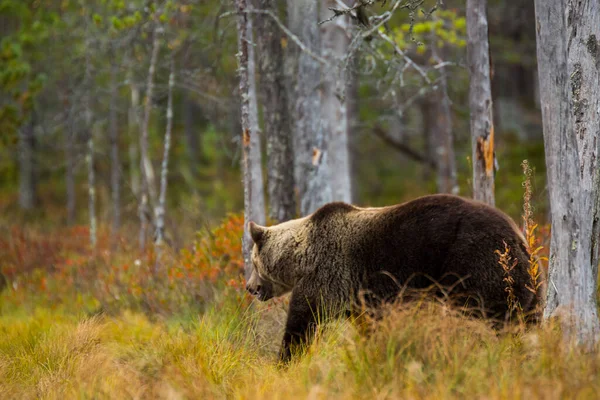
{"points": [[19, 50], [443, 28]]}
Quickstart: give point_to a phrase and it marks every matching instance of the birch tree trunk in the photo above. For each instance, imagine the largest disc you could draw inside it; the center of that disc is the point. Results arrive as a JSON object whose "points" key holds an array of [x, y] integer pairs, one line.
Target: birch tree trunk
{"points": [[147, 188], [280, 174], [27, 189], [161, 207], [335, 41], [569, 72], [115, 163], [253, 193], [480, 101], [311, 140], [134, 131]]}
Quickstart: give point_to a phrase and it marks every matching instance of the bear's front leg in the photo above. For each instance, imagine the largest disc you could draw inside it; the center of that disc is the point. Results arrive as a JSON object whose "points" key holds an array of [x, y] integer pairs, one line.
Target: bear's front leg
{"points": [[300, 325]]}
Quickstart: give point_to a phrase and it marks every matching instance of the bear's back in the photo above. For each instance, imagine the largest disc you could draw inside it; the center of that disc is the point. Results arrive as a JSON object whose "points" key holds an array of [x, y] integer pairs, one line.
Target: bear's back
{"points": [[438, 238]]}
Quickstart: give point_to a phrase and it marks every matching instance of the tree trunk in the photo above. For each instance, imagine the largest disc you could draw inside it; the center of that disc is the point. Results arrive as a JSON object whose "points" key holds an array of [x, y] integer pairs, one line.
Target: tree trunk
{"points": [[251, 156], [89, 129], [280, 177], [310, 139], [27, 182], [256, 184], [115, 163], [134, 130], [161, 207], [91, 185], [292, 54], [569, 71], [335, 41], [439, 134], [147, 189], [70, 164], [480, 101], [353, 116]]}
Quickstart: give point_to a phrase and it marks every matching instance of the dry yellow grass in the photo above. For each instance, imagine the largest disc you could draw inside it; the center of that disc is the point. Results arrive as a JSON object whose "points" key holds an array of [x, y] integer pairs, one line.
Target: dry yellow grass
{"points": [[419, 351]]}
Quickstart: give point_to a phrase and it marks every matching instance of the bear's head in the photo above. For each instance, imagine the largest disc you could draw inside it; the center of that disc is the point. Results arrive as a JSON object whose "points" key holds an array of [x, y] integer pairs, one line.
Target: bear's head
{"points": [[276, 258]]}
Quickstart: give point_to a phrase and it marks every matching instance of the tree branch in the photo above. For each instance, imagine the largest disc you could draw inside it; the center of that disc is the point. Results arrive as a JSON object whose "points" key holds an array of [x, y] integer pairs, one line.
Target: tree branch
{"points": [[401, 147]]}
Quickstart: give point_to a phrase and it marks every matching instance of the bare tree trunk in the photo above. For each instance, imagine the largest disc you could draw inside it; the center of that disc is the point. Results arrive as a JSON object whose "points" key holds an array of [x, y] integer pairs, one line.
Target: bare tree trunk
{"points": [[441, 144], [480, 101], [569, 71], [335, 41], [70, 164], [88, 120], [147, 174], [256, 184], [292, 54], [280, 177], [115, 167], [133, 131], [91, 185], [253, 193], [27, 182], [353, 111], [311, 140], [161, 207]]}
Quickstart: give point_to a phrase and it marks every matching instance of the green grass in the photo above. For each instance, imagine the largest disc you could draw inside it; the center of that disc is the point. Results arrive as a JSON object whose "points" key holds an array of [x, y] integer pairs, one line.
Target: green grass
{"points": [[417, 351]]}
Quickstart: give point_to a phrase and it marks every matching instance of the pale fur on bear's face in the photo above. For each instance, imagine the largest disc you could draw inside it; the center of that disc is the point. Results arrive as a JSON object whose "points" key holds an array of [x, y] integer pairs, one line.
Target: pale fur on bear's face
{"points": [[276, 258]]}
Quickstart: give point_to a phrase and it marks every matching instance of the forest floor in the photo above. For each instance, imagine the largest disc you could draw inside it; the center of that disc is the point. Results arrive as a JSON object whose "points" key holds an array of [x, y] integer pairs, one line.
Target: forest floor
{"points": [[417, 352], [76, 323]]}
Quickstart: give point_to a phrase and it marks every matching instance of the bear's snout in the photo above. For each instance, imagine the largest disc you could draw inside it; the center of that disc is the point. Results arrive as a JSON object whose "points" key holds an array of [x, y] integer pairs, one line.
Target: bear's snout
{"points": [[253, 290], [259, 288]]}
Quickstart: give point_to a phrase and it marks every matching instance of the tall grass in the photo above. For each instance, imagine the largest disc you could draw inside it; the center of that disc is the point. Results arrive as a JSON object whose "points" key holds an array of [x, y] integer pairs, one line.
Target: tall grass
{"points": [[423, 350], [77, 325]]}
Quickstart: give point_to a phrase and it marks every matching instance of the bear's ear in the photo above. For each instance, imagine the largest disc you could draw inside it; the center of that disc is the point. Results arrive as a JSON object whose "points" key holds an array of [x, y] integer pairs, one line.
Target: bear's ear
{"points": [[257, 232]]}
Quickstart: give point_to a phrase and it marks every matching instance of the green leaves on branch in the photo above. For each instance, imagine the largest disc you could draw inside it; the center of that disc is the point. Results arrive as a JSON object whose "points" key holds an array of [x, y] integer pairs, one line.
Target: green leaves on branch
{"points": [[443, 28]]}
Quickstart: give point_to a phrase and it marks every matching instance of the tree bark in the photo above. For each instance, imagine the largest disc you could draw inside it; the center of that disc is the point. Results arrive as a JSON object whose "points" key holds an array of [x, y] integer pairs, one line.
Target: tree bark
{"points": [[280, 177], [27, 181], [292, 53], [353, 116], [440, 138], [161, 206], [147, 189], [70, 133], [335, 41], [256, 184], [91, 187], [251, 156], [134, 131], [569, 71], [480, 101], [88, 120], [311, 140], [115, 163]]}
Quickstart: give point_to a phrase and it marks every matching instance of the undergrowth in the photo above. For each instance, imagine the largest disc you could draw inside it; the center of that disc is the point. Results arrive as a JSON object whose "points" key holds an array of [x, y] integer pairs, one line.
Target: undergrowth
{"points": [[77, 323]]}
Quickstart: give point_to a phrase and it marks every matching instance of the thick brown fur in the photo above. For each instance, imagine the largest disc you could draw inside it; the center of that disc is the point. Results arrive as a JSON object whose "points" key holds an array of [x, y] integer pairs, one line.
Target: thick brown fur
{"points": [[342, 255]]}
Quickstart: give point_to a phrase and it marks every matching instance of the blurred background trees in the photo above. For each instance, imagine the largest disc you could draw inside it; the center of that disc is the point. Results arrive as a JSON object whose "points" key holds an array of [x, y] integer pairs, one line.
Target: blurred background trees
{"points": [[367, 105], [146, 115]]}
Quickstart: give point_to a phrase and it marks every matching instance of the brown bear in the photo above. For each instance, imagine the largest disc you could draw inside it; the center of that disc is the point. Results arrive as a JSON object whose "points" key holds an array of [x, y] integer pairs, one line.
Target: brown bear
{"points": [[343, 255]]}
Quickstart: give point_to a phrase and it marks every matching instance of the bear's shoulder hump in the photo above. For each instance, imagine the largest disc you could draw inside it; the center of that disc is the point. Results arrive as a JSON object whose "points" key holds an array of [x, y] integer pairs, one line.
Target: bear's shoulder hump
{"points": [[331, 209]]}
